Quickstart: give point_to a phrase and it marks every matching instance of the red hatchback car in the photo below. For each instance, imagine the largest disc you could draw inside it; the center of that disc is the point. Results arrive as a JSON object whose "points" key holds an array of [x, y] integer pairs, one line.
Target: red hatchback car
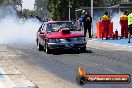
{"points": [[60, 35]]}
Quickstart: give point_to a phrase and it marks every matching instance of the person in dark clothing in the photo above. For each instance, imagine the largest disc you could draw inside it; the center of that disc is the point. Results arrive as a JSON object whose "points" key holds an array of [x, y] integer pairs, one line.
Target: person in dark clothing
{"points": [[38, 18], [87, 21], [31, 16], [129, 26]]}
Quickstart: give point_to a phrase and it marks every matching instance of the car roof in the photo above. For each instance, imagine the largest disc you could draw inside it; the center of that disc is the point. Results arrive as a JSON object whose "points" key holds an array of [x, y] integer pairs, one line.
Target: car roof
{"points": [[55, 22]]}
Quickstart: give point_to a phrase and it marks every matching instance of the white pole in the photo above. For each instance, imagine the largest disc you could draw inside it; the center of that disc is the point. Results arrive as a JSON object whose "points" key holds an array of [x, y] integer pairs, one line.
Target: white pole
{"points": [[92, 15], [92, 8], [69, 10]]}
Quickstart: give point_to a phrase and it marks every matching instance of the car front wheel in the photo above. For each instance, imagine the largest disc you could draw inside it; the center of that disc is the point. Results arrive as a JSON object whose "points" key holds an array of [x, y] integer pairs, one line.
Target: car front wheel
{"points": [[47, 50]]}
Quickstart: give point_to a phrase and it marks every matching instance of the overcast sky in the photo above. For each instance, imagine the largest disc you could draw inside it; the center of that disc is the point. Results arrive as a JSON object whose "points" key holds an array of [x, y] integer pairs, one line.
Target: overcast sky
{"points": [[28, 4]]}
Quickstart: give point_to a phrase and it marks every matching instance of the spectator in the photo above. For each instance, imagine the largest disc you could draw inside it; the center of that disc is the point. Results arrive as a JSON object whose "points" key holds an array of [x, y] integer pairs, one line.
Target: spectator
{"points": [[124, 25], [87, 21], [129, 27], [81, 23], [105, 24]]}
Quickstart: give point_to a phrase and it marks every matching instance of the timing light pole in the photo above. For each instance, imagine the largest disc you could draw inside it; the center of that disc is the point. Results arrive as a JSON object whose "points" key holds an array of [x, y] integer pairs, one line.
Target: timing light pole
{"points": [[92, 9], [69, 11], [92, 15]]}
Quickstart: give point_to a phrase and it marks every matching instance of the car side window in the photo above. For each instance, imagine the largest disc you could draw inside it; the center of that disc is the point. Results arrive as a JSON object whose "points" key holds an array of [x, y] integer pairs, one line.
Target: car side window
{"points": [[49, 28]]}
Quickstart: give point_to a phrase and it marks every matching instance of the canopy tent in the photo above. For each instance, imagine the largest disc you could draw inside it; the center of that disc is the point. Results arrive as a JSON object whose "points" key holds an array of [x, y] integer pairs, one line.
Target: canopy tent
{"points": [[120, 5]]}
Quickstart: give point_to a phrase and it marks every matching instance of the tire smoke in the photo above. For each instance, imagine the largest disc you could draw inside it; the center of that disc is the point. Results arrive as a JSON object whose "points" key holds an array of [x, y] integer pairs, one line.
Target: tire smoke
{"points": [[16, 30], [116, 21]]}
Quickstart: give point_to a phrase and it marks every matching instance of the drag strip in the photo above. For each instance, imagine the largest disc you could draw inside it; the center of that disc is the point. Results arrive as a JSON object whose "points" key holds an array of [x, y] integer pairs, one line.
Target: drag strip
{"points": [[60, 70]]}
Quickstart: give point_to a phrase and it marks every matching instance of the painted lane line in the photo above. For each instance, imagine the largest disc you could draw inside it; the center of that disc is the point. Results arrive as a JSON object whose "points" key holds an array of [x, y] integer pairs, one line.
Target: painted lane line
{"points": [[1, 75], [6, 82]]}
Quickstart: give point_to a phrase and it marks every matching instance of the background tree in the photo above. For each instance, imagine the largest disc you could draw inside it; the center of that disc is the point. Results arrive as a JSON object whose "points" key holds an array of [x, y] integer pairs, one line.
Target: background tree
{"points": [[107, 2], [4, 2], [59, 8], [16, 4], [26, 13], [40, 8]]}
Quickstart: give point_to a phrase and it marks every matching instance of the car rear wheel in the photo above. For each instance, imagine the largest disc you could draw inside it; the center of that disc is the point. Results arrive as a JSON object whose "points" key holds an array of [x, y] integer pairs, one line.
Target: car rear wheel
{"points": [[47, 50], [40, 47], [83, 49]]}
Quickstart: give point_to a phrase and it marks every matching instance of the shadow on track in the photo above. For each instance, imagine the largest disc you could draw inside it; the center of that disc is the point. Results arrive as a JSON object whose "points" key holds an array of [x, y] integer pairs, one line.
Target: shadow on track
{"points": [[60, 52]]}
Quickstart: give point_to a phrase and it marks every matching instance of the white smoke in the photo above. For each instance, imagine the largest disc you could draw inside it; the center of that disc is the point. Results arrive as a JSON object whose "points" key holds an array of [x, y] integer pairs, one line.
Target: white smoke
{"points": [[14, 29], [116, 20]]}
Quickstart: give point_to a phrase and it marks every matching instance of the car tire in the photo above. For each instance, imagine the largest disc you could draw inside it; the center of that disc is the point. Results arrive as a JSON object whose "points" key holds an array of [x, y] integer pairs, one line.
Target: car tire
{"points": [[83, 49], [40, 47], [47, 50]]}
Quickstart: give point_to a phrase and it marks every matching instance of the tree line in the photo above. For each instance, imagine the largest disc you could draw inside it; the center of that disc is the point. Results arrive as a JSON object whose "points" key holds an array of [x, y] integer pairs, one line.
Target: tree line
{"points": [[56, 9], [16, 4]]}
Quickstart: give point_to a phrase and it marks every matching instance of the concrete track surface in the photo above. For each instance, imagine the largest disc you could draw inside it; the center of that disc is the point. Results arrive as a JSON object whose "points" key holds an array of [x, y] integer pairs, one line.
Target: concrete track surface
{"points": [[59, 70]]}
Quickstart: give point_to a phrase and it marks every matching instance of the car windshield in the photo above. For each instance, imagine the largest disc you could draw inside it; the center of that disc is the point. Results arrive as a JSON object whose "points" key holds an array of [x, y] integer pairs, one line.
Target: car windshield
{"points": [[54, 27]]}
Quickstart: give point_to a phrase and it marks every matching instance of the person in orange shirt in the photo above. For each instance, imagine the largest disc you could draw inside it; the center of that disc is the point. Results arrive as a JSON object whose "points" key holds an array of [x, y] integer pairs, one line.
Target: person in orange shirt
{"points": [[105, 24], [124, 25]]}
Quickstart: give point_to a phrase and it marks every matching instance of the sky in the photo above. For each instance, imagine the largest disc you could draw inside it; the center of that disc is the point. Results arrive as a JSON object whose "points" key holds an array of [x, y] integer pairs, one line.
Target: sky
{"points": [[28, 4]]}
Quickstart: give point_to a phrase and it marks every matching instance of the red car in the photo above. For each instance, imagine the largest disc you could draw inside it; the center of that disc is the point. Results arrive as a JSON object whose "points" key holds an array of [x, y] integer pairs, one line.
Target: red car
{"points": [[60, 35]]}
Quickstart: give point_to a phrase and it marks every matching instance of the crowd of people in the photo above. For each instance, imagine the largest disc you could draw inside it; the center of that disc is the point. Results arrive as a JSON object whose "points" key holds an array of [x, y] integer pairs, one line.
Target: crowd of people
{"points": [[125, 22]]}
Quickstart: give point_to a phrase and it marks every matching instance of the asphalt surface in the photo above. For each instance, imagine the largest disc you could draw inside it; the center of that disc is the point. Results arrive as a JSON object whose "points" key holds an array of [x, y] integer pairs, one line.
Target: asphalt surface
{"points": [[59, 70]]}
